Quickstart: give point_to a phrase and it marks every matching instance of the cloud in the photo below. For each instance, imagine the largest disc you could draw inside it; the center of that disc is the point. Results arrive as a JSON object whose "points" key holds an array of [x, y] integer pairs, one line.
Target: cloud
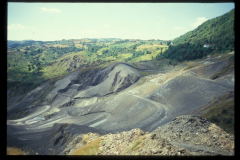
{"points": [[199, 21], [51, 10], [18, 26], [106, 25]]}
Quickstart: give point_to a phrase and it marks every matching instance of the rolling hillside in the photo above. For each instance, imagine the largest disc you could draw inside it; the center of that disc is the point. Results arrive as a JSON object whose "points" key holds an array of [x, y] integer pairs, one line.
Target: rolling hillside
{"points": [[218, 31], [30, 63]]}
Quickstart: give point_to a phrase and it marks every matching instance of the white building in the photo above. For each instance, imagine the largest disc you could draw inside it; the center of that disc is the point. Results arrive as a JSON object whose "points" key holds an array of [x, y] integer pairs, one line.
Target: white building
{"points": [[207, 45]]}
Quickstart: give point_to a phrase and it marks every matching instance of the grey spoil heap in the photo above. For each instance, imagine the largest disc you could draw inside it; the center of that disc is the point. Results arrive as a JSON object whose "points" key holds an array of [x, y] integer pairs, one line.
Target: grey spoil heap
{"points": [[115, 100]]}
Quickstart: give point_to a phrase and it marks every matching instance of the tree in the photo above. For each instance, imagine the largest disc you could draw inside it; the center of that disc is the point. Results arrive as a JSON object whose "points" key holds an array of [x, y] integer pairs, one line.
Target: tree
{"points": [[169, 43], [148, 52]]}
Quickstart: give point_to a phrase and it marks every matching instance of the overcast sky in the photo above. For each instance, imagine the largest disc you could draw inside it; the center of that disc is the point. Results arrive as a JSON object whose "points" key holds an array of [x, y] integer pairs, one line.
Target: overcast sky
{"points": [[57, 21]]}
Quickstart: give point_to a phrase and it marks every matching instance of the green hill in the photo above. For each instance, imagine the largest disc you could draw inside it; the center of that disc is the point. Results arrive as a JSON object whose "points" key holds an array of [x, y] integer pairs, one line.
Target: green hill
{"points": [[218, 31], [30, 63]]}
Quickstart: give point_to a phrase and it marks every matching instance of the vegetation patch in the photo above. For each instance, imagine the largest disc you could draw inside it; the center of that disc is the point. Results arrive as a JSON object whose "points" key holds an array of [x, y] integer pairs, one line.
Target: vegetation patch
{"points": [[21, 98], [226, 70], [221, 56], [135, 145], [15, 151], [91, 148], [18, 115], [190, 65], [218, 31], [223, 115], [145, 73], [151, 47], [59, 45], [21, 87], [135, 65], [141, 81]]}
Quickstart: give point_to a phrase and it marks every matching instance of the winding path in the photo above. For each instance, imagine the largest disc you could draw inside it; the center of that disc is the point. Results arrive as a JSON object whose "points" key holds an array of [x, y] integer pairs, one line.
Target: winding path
{"points": [[158, 116]]}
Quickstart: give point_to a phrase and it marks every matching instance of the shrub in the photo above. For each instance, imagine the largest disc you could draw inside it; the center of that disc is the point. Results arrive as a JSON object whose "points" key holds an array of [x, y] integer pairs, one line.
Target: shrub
{"points": [[231, 59], [228, 119], [224, 111], [15, 151], [214, 118]]}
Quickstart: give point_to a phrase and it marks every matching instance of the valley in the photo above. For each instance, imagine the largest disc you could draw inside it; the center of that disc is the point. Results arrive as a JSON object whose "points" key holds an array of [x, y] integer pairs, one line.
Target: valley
{"points": [[112, 96]]}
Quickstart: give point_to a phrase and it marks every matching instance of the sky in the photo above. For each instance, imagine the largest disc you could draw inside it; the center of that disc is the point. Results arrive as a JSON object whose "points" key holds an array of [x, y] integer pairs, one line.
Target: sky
{"points": [[57, 21]]}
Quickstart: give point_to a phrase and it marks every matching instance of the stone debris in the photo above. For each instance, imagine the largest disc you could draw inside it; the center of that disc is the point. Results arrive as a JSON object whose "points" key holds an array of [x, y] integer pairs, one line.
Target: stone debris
{"points": [[194, 130], [183, 136]]}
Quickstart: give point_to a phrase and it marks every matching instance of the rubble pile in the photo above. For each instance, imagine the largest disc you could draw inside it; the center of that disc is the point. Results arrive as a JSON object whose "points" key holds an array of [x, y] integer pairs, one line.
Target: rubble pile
{"points": [[197, 131], [185, 135]]}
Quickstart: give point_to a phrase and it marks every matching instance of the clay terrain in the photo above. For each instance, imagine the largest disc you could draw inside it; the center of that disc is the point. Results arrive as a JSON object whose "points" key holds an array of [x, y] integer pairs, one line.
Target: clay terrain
{"points": [[124, 112]]}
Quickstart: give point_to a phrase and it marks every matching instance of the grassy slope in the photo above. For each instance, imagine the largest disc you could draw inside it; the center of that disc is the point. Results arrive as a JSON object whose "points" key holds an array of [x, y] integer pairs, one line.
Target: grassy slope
{"points": [[60, 66], [15, 151], [17, 58]]}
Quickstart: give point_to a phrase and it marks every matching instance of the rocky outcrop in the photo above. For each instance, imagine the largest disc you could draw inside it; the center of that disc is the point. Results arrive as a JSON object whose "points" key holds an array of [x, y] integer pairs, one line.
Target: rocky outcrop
{"points": [[197, 135]]}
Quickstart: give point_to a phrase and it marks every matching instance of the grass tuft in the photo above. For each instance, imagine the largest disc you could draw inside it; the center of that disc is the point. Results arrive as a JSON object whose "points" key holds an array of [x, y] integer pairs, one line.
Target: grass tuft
{"points": [[133, 146], [190, 65], [91, 148], [15, 151], [222, 72]]}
